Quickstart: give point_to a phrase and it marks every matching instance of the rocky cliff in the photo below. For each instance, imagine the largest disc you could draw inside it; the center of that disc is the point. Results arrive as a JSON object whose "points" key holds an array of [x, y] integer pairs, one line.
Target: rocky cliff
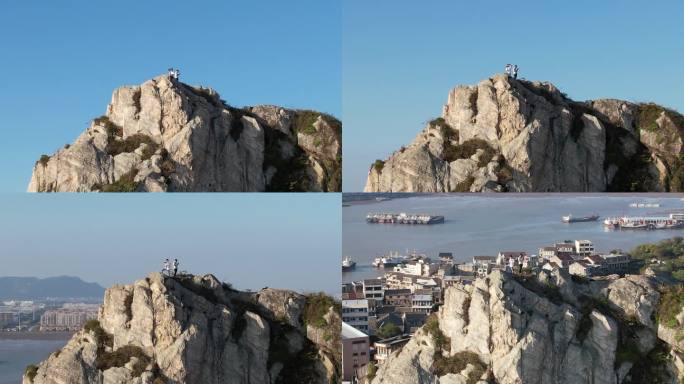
{"points": [[515, 135], [165, 135], [517, 329], [195, 329]]}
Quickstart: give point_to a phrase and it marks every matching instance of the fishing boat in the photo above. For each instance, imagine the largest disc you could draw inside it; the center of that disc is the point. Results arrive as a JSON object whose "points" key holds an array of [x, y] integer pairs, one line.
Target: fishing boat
{"points": [[573, 219], [348, 264]]}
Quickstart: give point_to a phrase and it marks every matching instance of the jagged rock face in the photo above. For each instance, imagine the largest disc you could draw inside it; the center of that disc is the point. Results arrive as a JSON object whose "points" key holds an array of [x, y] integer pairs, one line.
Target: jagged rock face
{"points": [[167, 136], [541, 141], [524, 336], [192, 330]]}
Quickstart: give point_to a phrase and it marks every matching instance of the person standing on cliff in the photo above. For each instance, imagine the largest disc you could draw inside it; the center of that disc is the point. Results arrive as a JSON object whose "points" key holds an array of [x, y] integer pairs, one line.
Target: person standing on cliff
{"points": [[167, 267], [508, 70], [175, 267], [515, 71]]}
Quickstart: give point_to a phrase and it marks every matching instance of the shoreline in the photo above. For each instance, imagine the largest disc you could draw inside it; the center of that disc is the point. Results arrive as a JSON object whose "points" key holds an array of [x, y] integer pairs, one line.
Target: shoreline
{"points": [[36, 335]]}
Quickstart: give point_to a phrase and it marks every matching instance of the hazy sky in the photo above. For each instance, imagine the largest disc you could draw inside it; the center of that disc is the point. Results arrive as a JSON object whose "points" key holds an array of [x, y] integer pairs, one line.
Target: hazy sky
{"points": [[249, 239], [62, 60], [401, 58]]}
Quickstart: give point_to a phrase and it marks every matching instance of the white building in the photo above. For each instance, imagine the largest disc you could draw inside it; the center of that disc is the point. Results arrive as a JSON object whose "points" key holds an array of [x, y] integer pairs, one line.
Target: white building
{"points": [[384, 348], [355, 352], [615, 263], [422, 301], [584, 248], [420, 267], [358, 313], [373, 289], [483, 265]]}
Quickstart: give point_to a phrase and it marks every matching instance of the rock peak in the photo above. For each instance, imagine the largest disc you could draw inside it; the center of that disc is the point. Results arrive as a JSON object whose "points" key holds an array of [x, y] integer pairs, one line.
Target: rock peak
{"points": [[504, 134], [165, 135], [196, 329]]}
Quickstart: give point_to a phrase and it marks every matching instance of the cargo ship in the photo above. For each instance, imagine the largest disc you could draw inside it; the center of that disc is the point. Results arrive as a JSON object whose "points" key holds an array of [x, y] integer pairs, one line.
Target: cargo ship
{"points": [[573, 219], [653, 222], [403, 218], [348, 264]]}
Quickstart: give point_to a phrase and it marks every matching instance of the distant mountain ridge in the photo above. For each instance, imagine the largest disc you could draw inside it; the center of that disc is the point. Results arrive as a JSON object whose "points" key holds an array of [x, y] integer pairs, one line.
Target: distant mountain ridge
{"points": [[28, 288]]}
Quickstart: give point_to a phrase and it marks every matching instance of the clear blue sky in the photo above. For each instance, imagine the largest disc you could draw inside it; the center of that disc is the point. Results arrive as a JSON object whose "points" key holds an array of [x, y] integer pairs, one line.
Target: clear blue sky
{"points": [[249, 239], [400, 58], [62, 60]]}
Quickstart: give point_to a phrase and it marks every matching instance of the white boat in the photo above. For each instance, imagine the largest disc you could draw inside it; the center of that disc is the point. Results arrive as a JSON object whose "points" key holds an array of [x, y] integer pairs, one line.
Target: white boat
{"points": [[390, 260], [348, 264], [653, 222], [644, 205]]}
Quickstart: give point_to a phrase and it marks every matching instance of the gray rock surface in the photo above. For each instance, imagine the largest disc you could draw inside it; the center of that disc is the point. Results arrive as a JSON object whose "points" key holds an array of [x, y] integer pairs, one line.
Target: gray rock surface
{"points": [[201, 144], [523, 332], [193, 329], [542, 141]]}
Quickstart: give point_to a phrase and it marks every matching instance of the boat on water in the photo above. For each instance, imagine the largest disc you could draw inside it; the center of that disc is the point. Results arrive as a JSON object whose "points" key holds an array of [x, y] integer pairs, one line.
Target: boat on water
{"points": [[403, 218], [390, 260], [654, 222], [573, 219], [348, 264], [644, 205]]}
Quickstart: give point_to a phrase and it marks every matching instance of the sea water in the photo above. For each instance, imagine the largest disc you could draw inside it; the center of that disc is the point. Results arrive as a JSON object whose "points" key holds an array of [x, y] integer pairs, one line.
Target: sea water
{"points": [[486, 224], [15, 355]]}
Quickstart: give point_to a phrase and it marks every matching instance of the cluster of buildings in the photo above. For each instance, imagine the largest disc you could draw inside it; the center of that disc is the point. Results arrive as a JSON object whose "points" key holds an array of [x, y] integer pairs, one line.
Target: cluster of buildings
{"points": [[18, 314], [70, 317], [407, 295]]}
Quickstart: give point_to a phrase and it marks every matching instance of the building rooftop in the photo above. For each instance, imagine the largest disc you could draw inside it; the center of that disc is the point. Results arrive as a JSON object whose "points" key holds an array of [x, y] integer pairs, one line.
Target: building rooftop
{"points": [[512, 253], [393, 340], [349, 332], [390, 292], [484, 258]]}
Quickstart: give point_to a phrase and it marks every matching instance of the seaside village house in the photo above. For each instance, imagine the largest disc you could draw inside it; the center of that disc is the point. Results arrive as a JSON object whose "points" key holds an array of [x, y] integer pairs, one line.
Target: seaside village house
{"points": [[482, 265], [579, 258], [384, 348], [355, 353]]}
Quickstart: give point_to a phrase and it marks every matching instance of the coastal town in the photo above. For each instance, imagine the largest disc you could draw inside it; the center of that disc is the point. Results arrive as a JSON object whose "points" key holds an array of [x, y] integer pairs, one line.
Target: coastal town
{"points": [[45, 316], [380, 315]]}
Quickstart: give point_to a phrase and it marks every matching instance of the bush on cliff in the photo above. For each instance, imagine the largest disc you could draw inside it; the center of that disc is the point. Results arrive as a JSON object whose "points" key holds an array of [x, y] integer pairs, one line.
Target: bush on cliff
{"points": [[111, 128], [125, 183], [304, 122], [670, 305], [130, 144], [467, 149], [121, 356], [44, 160], [102, 338], [378, 165], [316, 307], [31, 371]]}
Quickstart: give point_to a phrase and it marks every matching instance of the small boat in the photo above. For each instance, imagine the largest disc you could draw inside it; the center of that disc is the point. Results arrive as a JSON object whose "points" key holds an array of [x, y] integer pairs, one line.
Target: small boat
{"points": [[390, 260], [348, 264], [644, 205], [572, 219]]}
